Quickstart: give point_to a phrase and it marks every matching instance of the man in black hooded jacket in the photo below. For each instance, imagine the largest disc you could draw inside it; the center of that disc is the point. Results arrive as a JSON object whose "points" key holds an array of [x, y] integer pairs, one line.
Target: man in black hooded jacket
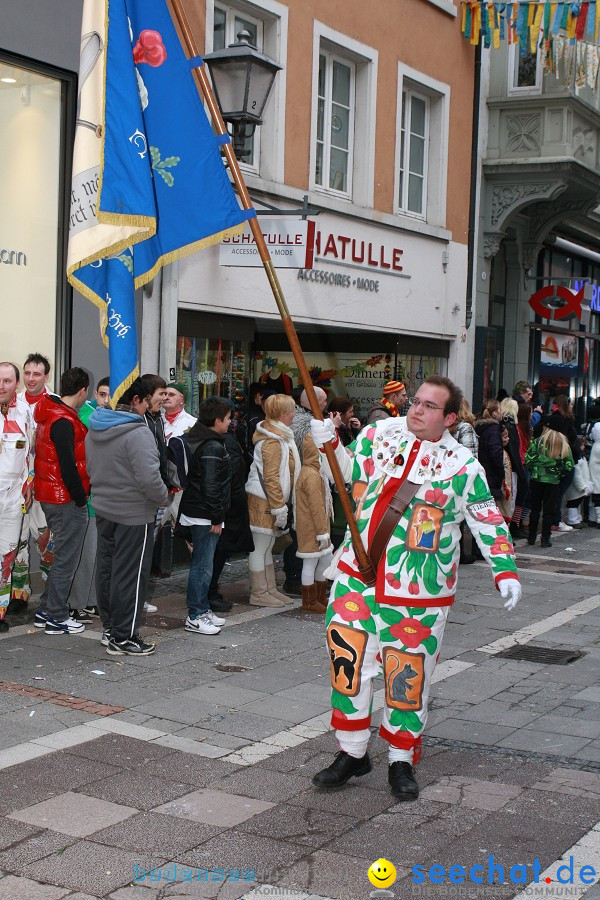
{"points": [[204, 505]]}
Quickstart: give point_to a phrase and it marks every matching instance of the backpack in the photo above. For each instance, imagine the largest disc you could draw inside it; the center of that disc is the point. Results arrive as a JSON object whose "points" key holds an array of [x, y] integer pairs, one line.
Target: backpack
{"points": [[179, 457]]}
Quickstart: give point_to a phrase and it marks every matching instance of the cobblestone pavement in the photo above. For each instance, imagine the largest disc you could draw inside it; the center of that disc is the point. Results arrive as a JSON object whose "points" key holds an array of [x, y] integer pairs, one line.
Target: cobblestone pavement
{"points": [[187, 774]]}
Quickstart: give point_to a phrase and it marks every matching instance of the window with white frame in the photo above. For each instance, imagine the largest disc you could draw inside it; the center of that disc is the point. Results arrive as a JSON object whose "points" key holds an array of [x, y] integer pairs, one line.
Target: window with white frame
{"points": [[227, 24], [335, 123], [422, 135], [414, 152], [524, 70]]}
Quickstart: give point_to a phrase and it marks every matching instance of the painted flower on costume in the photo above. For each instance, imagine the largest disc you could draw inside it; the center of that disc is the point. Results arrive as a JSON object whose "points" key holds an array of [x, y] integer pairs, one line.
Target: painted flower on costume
{"points": [[436, 496], [451, 579], [351, 607], [411, 632], [413, 587], [149, 48], [502, 545]]}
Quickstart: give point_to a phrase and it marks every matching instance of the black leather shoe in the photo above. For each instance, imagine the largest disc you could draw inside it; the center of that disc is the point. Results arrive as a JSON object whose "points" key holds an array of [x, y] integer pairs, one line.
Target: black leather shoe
{"points": [[401, 777], [341, 770], [218, 603]]}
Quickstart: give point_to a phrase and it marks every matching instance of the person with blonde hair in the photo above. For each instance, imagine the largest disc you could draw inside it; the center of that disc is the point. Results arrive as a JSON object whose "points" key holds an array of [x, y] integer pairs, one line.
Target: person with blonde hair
{"points": [[549, 459], [510, 413], [270, 488]]}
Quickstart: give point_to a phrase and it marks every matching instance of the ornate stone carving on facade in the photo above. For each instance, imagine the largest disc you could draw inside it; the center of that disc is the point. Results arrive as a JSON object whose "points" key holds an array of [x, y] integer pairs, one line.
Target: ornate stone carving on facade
{"points": [[530, 254], [506, 198], [491, 242], [523, 133], [543, 217]]}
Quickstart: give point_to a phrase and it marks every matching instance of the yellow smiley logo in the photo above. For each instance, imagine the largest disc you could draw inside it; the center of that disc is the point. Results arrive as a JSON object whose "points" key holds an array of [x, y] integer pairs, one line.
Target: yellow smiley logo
{"points": [[382, 873]]}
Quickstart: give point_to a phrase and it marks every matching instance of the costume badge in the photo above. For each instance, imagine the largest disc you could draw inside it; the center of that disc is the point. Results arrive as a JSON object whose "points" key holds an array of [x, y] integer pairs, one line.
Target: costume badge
{"points": [[404, 675], [423, 532], [346, 651], [20, 445]]}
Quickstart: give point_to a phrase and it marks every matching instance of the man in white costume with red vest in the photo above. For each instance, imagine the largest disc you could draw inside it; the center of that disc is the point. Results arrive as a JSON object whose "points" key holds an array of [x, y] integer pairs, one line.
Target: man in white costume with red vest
{"points": [[414, 485]]}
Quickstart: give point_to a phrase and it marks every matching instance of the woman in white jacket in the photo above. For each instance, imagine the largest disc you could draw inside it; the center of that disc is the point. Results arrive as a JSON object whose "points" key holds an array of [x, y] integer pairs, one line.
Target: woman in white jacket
{"points": [[595, 470]]}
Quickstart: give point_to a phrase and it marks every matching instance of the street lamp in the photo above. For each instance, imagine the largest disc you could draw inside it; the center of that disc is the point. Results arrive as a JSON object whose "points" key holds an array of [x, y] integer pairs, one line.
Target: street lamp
{"points": [[242, 78]]}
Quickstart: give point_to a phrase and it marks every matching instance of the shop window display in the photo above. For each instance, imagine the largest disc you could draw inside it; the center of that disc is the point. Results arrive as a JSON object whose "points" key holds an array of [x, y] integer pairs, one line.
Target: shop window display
{"points": [[358, 376], [212, 367]]}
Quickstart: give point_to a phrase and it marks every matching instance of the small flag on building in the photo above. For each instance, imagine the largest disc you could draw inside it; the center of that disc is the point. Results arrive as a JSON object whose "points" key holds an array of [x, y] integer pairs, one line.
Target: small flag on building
{"points": [[149, 185]]}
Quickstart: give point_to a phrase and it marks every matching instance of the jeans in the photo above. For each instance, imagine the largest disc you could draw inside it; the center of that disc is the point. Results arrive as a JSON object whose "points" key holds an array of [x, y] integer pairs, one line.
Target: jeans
{"points": [[201, 568], [68, 524]]}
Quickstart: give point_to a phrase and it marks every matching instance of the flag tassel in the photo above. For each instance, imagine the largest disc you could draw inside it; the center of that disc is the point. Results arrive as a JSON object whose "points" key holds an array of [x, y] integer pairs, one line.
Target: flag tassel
{"points": [[364, 563]]}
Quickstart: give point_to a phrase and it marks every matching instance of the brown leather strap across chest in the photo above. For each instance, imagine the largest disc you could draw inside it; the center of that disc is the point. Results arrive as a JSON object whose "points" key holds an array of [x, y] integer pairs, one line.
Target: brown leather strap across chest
{"points": [[396, 509]]}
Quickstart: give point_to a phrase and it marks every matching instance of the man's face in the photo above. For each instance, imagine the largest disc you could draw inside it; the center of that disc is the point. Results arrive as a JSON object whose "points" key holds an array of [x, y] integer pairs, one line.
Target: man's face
{"points": [[221, 425], [157, 399], [399, 399], [427, 422], [321, 399], [527, 395], [347, 415], [35, 378], [173, 401], [102, 396], [8, 384], [140, 405]]}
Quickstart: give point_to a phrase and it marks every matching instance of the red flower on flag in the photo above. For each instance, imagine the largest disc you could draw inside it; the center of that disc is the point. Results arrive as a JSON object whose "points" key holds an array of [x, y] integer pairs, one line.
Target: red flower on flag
{"points": [[502, 545], [149, 48], [351, 607], [411, 632]]}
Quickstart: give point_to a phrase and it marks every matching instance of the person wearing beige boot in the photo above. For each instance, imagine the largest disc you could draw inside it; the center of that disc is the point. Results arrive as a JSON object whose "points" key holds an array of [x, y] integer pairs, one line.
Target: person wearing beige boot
{"points": [[314, 510], [270, 488]]}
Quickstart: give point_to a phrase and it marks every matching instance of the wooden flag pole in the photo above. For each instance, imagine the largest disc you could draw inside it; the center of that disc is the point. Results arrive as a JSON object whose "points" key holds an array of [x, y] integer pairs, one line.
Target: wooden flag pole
{"points": [[364, 564]]}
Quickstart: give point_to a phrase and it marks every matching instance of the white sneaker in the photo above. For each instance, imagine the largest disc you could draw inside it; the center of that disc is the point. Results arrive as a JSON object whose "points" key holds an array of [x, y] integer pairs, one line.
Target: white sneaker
{"points": [[201, 625], [216, 620], [562, 526], [149, 607]]}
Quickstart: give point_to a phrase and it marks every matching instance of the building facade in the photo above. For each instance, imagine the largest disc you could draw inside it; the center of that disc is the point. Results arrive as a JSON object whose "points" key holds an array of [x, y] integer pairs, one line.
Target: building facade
{"points": [[368, 130], [539, 223]]}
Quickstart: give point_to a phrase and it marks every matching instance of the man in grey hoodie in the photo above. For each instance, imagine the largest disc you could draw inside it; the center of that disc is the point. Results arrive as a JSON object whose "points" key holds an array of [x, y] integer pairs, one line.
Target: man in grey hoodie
{"points": [[123, 466]]}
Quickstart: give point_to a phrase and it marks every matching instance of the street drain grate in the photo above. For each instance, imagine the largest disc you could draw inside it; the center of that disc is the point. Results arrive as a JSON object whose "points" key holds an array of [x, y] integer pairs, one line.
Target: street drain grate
{"points": [[546, 656]]}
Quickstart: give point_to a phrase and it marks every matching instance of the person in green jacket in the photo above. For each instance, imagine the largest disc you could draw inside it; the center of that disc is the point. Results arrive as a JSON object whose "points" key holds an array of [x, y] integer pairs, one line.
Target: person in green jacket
{"points": [[549, 459]]}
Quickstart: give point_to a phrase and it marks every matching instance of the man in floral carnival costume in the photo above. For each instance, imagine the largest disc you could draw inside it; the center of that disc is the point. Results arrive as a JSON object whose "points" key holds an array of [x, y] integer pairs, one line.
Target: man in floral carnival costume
{"points": [[396, 626]]}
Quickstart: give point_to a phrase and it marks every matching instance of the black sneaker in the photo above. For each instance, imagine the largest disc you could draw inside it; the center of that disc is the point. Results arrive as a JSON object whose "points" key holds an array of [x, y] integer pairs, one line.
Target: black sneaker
{"points": [[105, 639], [134, 646], [40, 619], [218, 604], [92, 611], [80, 615]]}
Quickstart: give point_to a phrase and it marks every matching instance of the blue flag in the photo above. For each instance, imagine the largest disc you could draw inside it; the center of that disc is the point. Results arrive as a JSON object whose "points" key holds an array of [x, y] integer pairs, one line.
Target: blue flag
{"points": [[149, 185]]}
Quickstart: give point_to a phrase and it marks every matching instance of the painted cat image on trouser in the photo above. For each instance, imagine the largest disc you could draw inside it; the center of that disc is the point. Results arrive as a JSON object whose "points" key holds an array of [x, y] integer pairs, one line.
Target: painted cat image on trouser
{"points": [[366, 639]]}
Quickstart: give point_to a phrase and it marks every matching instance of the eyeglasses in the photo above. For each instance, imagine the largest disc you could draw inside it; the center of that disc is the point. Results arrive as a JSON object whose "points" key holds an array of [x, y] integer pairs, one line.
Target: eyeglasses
{"points": [[414, 401]]}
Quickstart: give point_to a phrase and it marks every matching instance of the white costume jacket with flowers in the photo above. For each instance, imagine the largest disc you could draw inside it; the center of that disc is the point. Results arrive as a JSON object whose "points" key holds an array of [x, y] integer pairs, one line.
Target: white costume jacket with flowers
{"points": [[421, 559]]}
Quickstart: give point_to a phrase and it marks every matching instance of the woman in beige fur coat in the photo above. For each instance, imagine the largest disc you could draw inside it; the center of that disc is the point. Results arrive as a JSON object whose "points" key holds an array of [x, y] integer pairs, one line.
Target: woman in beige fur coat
{"points": [[314, 509], [270, 490]]}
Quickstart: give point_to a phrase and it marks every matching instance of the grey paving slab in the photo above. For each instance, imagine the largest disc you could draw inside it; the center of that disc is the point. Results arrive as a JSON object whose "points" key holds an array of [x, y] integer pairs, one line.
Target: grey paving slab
{"points": [[86, 866], [542, 742], [589, 694], [267, 857], [12, 832], [43, 843], [156, 833], [125, 752], [195, 733], [300, 825], [286, 709], [471, 732], [364, 803], [310, 692], [243, 724], [571, 726], [74, 814], [273, 786], [14, 888], [213, 807], [183, 709], [497, 712], [222, 693], [136, 788], [191, 769], [329, 874], [38, 779]]}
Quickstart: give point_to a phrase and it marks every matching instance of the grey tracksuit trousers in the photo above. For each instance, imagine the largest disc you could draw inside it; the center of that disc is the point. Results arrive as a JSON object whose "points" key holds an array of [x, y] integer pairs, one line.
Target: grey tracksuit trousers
{"points": [[123, 566]]}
